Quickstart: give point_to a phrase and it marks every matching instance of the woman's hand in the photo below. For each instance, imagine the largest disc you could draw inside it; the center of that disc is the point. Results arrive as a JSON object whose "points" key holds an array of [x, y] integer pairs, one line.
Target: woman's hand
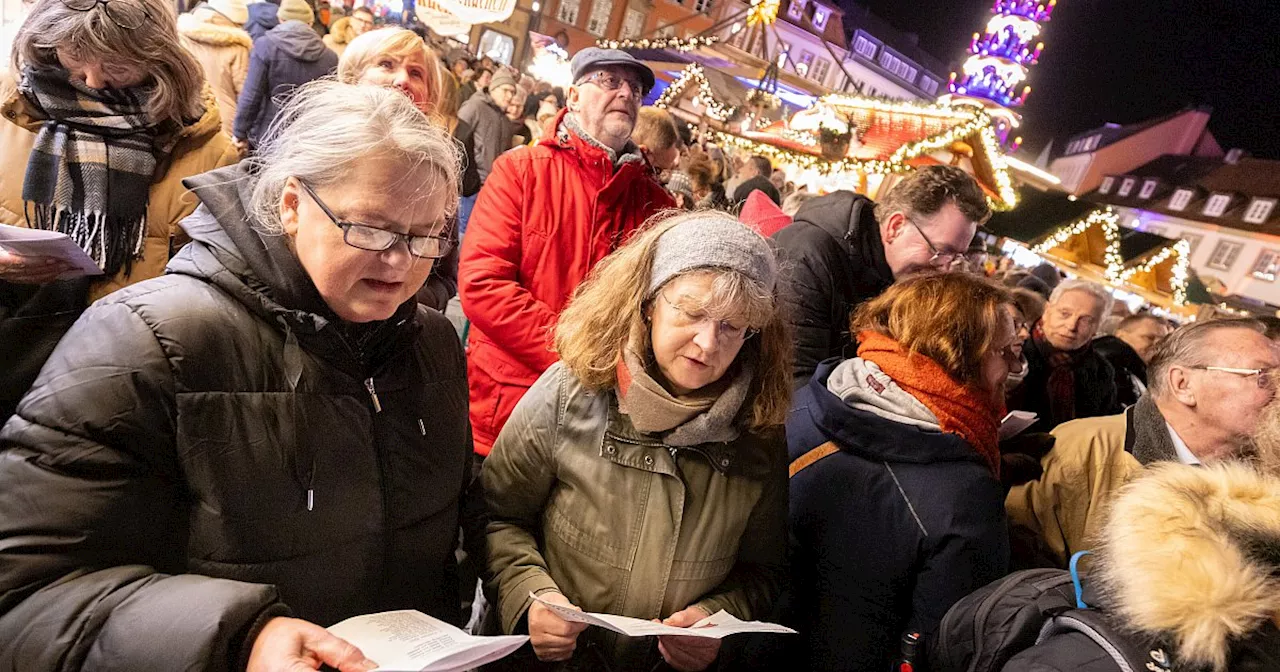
{"points": [[552, 637], [293, 645], [26, 270], [688, 654]]}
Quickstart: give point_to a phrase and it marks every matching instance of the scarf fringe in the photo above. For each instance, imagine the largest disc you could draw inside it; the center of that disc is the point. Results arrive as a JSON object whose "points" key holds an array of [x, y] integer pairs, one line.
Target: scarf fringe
{"points": [[111, 244]]}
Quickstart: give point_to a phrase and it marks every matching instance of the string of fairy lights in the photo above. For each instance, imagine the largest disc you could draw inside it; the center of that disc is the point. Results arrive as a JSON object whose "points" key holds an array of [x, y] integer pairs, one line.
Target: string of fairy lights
{"points": [[684, 44], [693, 74]]}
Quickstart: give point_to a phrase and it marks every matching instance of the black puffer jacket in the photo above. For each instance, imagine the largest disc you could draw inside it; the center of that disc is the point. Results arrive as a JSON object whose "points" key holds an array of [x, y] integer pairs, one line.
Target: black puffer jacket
{"points": [[1126, 367], [154, 484], [832, 260]]}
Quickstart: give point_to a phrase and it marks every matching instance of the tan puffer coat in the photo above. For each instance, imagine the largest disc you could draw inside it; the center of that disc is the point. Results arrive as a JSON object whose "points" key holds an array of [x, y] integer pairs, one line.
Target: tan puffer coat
{"points": [[222, 49]]}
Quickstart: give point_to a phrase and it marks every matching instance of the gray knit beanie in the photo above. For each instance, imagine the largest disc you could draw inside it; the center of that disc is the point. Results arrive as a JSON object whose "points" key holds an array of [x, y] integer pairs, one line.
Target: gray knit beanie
{"points": [[712, 240]]}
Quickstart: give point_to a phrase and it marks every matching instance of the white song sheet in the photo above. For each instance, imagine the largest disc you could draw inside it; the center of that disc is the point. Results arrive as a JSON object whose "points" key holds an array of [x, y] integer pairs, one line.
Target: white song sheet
{"points": [[39, 243], [716, 626], [411, 641]]}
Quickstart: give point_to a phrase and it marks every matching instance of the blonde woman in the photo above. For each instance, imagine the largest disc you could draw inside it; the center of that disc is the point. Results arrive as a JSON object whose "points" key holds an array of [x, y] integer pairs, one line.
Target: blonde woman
{"points": [[644, 474], [399, 59], [112, 81]]}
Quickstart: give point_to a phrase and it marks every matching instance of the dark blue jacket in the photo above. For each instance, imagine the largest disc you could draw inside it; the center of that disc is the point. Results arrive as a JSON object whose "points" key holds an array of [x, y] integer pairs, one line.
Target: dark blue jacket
{"points": [[262, 18], [288, 56], [886, 534]]}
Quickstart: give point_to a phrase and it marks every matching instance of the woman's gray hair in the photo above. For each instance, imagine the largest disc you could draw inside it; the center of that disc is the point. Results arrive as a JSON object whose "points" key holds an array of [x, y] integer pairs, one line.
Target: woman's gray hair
{"points": [[1105, 299], [328, 131], [153, 48]]}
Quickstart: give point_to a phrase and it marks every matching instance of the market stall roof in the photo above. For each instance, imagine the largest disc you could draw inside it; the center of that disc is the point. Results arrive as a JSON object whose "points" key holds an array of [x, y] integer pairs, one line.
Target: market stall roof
{"points": [[1038, 213]]}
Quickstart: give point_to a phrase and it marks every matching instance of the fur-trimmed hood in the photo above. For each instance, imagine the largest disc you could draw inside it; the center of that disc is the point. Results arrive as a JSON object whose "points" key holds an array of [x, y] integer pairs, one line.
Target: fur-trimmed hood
{"points": [[197, 29], [1191, 556]]}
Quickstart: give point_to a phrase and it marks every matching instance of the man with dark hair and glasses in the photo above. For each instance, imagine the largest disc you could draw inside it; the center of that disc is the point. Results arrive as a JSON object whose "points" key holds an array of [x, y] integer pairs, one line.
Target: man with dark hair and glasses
{"points": [[1208, 386], [544, 217], [843, 249]]}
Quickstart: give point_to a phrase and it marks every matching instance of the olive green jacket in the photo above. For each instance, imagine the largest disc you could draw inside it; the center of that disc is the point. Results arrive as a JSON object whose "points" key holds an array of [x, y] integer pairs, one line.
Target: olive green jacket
{"points": [[583, 503]]}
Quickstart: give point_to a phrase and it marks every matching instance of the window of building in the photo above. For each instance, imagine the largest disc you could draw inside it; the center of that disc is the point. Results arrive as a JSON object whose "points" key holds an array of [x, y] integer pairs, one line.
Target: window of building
{"points": [[1107, 183], [1126, 187], [702, 6], [803, 63], [897, 66], [567, 12], [633, 24], [864, 47], [1180, 199], [820, 69], [498, 46], [1267, 265], [1217, 205], [820, 15], [1148, 188], [598, 20], [795, 10], [1224, 255], [1259, 210], [929, 85], [1193, 241]]}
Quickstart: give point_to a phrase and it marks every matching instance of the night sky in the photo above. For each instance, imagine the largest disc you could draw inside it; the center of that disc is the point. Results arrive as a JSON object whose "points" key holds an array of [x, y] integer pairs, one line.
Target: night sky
{"points": [[1124, 61]]}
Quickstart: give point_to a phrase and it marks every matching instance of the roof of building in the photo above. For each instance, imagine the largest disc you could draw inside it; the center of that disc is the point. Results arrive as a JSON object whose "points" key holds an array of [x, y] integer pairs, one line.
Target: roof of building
{"points": [[905, 43], [1109, 133], [1247, 184], [1038, 213]]}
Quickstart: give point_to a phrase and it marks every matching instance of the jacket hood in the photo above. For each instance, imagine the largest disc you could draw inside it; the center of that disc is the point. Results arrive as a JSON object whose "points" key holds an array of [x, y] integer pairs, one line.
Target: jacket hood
{"points": [[862, 385], [1190, 556], [870, 434], [198, 29], [262, 15], [299, 41], [340, 32], [850, 218]]}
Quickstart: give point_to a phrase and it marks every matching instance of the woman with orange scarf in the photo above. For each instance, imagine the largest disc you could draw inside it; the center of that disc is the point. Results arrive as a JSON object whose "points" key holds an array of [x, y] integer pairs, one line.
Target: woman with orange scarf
{"points": [[896, 507]]}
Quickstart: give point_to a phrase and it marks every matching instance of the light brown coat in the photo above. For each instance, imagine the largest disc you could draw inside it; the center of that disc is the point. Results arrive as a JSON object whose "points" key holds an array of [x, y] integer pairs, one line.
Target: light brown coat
{"points": [[223, 52]]}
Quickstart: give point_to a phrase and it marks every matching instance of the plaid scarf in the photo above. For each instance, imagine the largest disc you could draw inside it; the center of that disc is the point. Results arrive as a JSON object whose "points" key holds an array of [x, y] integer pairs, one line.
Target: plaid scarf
{"points": [[90, 171]]}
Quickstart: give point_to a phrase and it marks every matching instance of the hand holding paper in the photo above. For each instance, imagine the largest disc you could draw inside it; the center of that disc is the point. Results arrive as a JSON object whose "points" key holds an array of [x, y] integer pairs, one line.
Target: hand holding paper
{"points": [[411, 641], [716, 626], [28, 252]]}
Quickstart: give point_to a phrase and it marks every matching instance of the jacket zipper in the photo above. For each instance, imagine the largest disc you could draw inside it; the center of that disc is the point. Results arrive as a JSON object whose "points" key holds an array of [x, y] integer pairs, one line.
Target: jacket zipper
{"points": [[373, 394]]}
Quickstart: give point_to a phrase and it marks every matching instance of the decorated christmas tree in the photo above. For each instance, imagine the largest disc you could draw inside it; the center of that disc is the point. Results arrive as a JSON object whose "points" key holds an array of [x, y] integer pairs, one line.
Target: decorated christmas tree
{"points": [[995, 73]]}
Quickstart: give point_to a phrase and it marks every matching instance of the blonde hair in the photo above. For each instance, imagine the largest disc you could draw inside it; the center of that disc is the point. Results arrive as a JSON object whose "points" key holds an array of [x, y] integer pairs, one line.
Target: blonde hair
{"points": [[363, 52], [609, 310], [153, 48], [951, 318]]}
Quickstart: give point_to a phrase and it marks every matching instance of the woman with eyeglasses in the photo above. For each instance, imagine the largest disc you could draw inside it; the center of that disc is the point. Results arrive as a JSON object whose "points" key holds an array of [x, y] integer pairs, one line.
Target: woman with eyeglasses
{"points": [[270, 438], [897, 510], [104, 114], [644, 474]]}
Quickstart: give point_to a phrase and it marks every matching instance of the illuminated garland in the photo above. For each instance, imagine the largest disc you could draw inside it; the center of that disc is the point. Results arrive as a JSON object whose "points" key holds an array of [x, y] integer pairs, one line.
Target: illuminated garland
{"points": [[1180, 269], [693, 73], [1076, 228], [681, 44], [763, 12]]}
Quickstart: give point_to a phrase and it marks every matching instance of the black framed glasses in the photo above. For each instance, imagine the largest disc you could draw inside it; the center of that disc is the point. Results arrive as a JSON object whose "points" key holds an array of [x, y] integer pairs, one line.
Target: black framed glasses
{"points": [[127, 14], [943, 261], [373, 239]]}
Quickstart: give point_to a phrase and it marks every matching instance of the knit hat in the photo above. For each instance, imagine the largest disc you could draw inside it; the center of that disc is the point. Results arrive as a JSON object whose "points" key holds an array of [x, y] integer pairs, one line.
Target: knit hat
{"points": [[502, 77], [712, 240], [235, 10], [295, 10], [762, 214], [679, 183]]}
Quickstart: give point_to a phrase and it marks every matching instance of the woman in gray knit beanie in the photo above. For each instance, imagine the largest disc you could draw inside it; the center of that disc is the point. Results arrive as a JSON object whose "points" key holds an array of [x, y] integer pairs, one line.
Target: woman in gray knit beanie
{"points": [[645, 474]]}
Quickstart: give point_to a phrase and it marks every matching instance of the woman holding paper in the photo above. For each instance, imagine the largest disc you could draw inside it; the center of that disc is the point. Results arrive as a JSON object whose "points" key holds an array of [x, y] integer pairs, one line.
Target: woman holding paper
{"points": [[644, 474], [896, 505], [271, 438], [105, 113]]}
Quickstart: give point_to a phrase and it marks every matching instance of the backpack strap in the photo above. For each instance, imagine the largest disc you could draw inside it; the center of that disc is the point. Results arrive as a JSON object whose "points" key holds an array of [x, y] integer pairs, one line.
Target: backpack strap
{"points": [[1126, 651], [804, 461]]}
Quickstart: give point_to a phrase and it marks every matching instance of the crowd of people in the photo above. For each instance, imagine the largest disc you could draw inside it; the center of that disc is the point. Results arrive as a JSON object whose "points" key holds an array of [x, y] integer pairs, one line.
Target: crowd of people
{"points": [[687, 385]]}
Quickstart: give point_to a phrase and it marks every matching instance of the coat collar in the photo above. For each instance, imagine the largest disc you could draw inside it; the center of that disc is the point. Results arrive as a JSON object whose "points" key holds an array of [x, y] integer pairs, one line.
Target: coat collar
{"points": [[199, 28], [1147, 434], [564, 133]]}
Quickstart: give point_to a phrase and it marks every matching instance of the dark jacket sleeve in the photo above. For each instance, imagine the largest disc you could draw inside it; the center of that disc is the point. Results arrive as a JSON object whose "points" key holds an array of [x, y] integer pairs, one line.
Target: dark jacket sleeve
{"points": [[254, 93], [442, 285], [968, 553], [807, 295], [93, 518]]}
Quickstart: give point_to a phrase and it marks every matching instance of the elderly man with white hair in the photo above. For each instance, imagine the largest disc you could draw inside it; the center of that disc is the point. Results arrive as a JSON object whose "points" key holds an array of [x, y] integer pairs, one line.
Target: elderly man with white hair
{"points": [[1209, 385], [1067, 379]]}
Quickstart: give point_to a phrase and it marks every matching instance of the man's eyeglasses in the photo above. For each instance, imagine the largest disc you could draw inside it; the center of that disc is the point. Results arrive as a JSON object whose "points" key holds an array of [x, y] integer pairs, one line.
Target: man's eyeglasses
{"points": [[726, 331], [124, 13], [373, 239], [943, 261], [1265, 376], [611, 82]]}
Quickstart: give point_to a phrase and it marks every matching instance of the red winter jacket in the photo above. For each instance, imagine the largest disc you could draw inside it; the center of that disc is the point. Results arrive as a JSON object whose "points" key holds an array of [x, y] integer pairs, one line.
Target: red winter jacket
{"points": [[545, 216]]}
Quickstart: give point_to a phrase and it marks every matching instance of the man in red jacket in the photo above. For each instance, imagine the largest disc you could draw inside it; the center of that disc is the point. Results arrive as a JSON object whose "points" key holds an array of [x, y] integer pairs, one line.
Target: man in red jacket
{"points": [[545, 216]]}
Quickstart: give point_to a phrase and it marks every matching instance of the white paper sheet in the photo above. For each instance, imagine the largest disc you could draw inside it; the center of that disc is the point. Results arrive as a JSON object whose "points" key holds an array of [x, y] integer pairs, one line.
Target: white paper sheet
{"points": [[716, 626], [35, 242], [411, 641], [1015, 423]]}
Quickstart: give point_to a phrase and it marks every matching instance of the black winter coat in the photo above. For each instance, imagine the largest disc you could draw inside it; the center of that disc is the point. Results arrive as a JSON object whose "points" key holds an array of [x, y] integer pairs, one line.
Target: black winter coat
{"points": [[210, 448], [832, 260], [1094, 382], [886, 534], [1125, 365]]}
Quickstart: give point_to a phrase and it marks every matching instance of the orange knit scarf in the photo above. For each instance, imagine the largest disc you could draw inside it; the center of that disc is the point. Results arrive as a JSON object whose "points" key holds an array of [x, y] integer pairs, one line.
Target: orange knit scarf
{"points": [[960, 410]]}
